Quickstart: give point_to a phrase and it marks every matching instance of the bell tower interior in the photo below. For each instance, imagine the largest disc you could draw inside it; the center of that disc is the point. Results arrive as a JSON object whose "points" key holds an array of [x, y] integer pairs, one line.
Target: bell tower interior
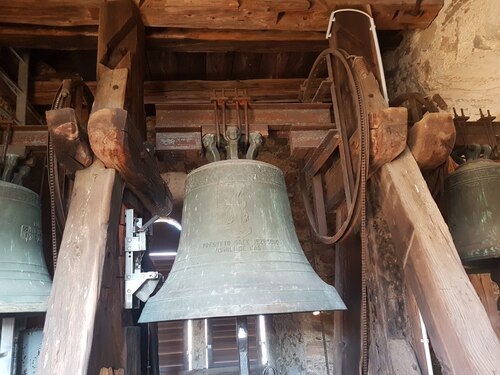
{"points": [[301, 187]]}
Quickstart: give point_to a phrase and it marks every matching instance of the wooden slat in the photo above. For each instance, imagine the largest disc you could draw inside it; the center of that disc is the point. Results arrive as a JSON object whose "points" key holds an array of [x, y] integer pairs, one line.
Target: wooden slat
{"points": [[219, 65], [247, 65]]}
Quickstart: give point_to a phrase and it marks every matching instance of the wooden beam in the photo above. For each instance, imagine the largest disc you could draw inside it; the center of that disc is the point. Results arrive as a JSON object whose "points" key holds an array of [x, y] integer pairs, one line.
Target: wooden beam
{"points": [[121, 46], [33, 136], [236, 40], [302, 143], [115, 142], [251, 15], [160, 92], [278, 116], [22, 83], [391, 319], [347, 332], [458, 326], [477, 132], [132, 350], [483, 285], [48, 37], [172, 39], [117, 126], [84, 278]]}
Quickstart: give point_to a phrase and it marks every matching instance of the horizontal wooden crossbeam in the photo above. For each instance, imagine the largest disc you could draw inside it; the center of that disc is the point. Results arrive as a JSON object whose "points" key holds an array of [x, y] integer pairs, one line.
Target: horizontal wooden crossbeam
{"points": [[158, 92], [173, 39], [297, 15]]}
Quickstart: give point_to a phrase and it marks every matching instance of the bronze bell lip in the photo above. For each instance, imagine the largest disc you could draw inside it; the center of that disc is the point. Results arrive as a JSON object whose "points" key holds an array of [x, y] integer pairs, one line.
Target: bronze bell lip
{"points": [[238, 254]]}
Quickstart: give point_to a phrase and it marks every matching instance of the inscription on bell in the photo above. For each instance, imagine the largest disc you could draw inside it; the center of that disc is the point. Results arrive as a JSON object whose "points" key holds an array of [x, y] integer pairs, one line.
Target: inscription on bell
{"points": [[235, 246], [31, 233]]}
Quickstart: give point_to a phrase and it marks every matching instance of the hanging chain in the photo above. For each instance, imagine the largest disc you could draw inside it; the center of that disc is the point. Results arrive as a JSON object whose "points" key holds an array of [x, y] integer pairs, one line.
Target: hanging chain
{"points": [[52, 165], [365, 160]]}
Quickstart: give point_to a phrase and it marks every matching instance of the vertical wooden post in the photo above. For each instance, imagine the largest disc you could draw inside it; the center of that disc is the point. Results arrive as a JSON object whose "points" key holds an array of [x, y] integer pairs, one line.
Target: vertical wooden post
{"points": [[347, 332], [132, 350], [84, 281]]}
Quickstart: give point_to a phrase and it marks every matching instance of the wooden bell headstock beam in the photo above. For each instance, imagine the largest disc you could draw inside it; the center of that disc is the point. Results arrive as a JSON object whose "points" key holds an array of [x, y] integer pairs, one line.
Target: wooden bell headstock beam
{"points": [[117, 125]]}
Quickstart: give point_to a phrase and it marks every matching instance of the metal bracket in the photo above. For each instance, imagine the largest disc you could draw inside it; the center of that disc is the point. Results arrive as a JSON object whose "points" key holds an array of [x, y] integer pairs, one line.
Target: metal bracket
{"points": [[142, 284]]}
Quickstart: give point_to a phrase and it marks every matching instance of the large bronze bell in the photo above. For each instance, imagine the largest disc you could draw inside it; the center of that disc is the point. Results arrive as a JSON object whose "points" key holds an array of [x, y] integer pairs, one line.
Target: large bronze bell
{"points": [[238, 252], [24, 280], [473, 209]]}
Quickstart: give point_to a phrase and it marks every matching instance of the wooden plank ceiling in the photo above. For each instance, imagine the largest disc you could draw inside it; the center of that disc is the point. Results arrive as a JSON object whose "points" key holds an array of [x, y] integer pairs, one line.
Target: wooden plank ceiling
{"points": [[199, 39], [201, 25]]}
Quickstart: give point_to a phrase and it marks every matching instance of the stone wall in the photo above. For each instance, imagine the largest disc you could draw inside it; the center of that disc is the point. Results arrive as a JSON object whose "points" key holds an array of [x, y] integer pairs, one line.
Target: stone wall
{"points": [[457, 56], [297, 341]]}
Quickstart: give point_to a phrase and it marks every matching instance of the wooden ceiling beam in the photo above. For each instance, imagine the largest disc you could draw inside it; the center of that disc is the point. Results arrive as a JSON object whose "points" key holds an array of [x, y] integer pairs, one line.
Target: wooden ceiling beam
{"points": [[297, 15], [172, 39], [48, 37], [257, 41]]}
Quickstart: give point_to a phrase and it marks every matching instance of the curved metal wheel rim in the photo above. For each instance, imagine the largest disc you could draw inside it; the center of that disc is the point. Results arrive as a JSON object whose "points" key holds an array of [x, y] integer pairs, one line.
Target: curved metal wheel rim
{"points": [[354, 207]]}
